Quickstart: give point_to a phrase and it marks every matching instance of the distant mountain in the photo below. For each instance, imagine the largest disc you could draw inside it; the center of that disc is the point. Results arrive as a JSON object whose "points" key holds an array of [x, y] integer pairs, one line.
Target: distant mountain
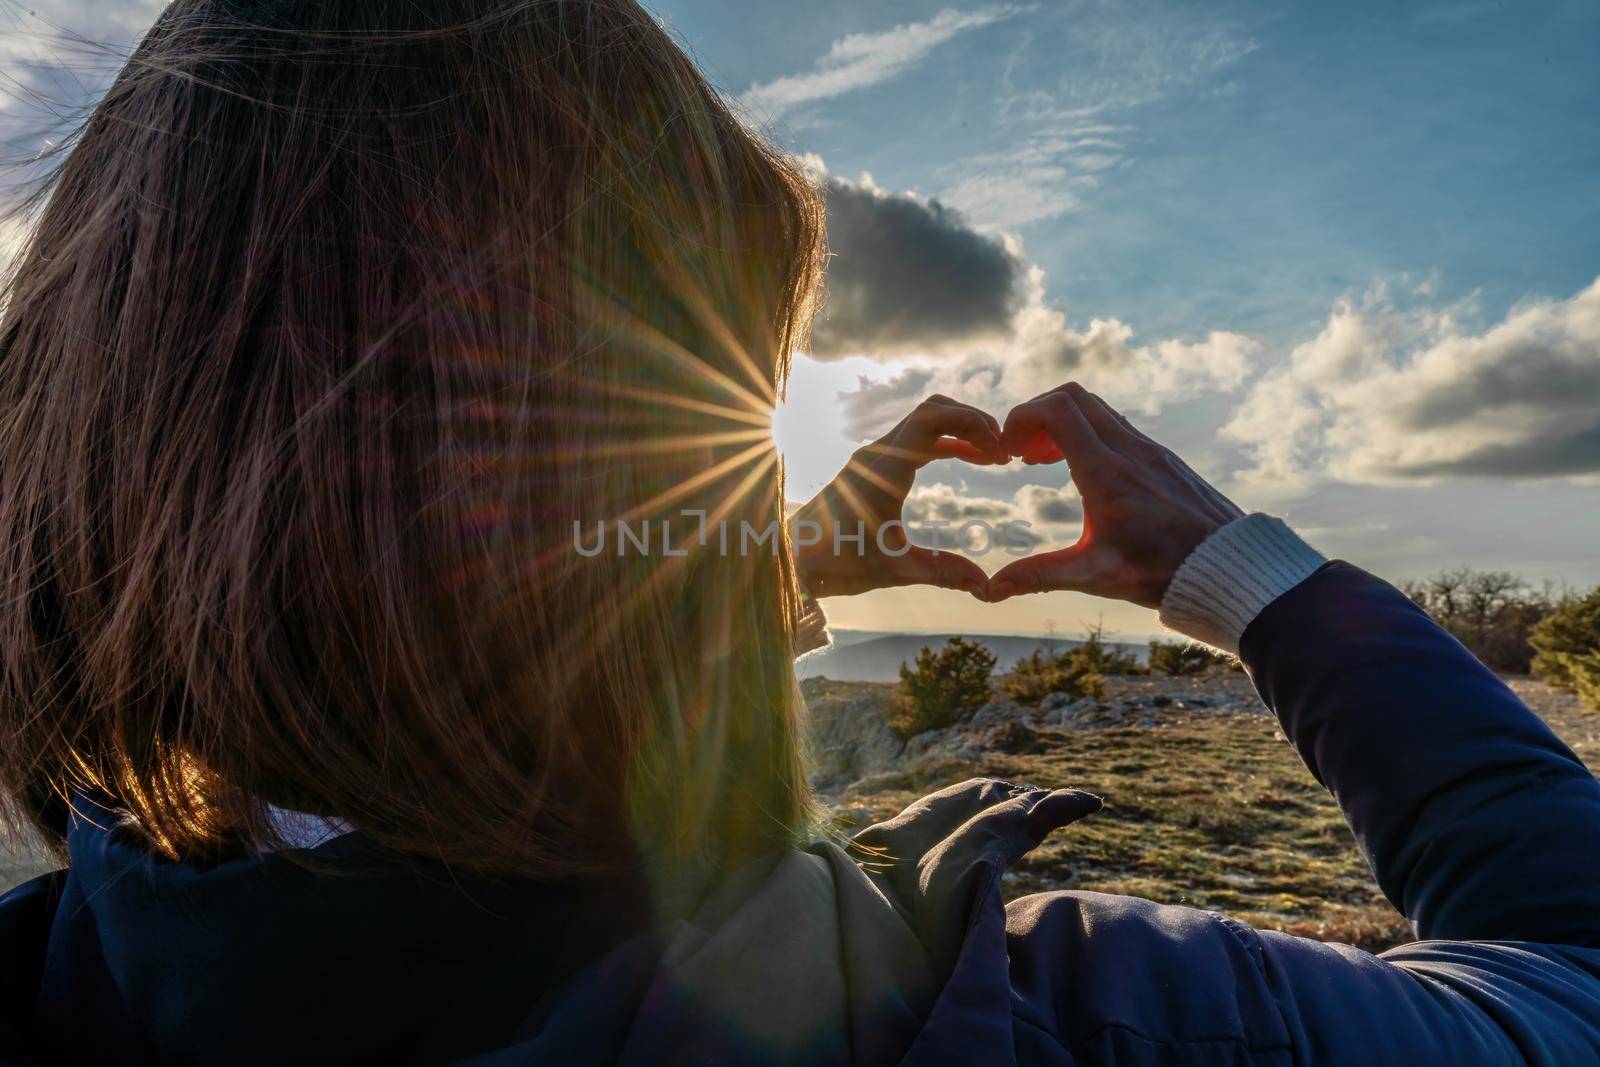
{"points": [[870, 656]]}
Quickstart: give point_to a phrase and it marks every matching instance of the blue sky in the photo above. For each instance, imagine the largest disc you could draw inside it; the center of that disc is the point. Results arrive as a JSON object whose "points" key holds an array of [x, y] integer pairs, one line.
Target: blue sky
{"points": [[1343, 255], [1390, 187], [1273, 156]]}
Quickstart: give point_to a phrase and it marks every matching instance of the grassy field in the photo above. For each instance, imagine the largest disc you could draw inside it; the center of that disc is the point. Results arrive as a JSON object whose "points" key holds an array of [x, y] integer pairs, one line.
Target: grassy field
{"points": [[1206, 807]]}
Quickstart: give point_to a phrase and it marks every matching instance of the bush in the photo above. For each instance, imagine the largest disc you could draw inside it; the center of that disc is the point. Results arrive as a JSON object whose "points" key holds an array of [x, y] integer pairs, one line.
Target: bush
{"points": [[1100, 657], [1184, 657], [1042, 672], [1585, 671], [941, 688], [1493, 613], [1567, 647]]}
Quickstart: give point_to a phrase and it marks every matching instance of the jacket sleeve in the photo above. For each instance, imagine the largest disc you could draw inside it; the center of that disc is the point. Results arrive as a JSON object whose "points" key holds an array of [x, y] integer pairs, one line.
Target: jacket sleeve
{"points": [[1479, 824]]}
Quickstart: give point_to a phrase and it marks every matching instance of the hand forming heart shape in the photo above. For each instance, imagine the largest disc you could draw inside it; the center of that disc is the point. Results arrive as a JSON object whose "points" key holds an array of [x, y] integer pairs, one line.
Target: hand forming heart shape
{"points": [[866, 498], [1145, 510]]}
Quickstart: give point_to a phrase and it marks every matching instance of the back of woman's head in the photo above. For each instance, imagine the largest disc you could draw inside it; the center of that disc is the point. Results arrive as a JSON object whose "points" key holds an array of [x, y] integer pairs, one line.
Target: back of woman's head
{"points": [[339, 315]]}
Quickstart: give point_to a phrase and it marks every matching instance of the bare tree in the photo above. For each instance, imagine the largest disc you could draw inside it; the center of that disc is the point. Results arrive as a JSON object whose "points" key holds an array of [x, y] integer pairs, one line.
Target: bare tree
{"points": [[1493, 613]]}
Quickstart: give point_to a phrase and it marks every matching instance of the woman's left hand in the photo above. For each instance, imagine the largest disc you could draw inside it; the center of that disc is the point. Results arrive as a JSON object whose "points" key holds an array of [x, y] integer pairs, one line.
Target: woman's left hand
{"points": [[1144, 509], [867, 497]]}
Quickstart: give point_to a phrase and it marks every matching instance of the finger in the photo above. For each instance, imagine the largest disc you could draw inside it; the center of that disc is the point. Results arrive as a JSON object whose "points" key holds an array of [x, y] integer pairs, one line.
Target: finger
{"points": [[1108, 423], [1153, 446], [956, 448], [939, 416], [947, 570], [1042, 450], [940, 398], [1063, 569], [1057, 415], [1127, 424]]}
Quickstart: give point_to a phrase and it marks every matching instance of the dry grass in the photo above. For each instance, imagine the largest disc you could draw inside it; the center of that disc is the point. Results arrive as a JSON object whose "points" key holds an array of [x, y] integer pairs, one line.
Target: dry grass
{"points": [[1207, 808]]}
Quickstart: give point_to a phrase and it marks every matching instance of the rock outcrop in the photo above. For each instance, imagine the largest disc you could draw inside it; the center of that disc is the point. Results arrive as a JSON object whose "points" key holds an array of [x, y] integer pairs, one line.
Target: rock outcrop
{"points": [[851, 739]]}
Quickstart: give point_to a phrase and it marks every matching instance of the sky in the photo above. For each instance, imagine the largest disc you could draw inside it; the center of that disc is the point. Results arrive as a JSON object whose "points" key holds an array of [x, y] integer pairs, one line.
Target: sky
{"points": [[1344, 258]]}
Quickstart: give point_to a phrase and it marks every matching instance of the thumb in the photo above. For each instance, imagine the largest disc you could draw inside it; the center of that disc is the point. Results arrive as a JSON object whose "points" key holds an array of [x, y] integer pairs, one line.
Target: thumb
{"points": [[1066, 568], [921, 566]]}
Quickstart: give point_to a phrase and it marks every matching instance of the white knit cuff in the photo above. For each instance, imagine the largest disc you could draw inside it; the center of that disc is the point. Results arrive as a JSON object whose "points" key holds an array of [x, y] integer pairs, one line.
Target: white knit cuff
{"points": [[1232, 576]]}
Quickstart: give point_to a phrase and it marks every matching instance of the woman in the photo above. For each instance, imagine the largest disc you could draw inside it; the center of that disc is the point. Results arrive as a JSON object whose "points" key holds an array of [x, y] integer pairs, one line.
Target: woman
{"points": [[346, 324]]}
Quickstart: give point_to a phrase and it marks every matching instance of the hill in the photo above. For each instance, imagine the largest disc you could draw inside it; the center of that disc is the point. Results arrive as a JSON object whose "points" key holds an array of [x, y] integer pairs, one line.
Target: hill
{"points": [[868, 656]]}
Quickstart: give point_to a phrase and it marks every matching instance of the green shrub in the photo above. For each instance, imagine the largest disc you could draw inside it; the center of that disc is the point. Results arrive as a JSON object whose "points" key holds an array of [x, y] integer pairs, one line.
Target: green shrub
{"points": [[942, 688], [1184, 657], [1078, 672], [1567, 647], [1100, 657], [1585, 671], [1042, 672]]}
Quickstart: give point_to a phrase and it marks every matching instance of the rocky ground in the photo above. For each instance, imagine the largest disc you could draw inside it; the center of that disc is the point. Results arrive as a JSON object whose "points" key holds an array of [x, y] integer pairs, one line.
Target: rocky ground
{"points": [[1206, 804]]}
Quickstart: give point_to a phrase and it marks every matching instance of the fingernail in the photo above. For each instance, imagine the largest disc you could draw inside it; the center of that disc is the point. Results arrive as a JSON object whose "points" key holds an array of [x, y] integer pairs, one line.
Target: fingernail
{"points": [[1000, 590]]}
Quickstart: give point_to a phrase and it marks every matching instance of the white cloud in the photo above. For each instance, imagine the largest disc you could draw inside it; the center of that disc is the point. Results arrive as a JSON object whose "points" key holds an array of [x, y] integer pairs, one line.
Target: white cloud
{"points": [[940, 502], [1044, 176], [1385, 394], [1034, 513], [96, 19], [1057, 89], [56, 56], [85, 40], [1113, 56], [12, 233], [1047, 350], [865, 59]]}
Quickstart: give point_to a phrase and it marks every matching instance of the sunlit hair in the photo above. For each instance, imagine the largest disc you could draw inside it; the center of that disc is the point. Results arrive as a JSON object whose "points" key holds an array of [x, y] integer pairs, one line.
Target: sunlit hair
{"points": [[339, 314]]}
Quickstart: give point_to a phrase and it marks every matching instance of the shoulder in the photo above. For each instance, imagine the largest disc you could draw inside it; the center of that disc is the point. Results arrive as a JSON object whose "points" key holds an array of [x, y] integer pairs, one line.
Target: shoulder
{"points": [[26, 916], [26, 913]]}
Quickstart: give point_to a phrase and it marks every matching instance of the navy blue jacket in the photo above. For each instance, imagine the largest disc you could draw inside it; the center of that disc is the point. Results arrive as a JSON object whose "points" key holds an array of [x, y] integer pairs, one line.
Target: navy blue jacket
{"points": [[1480, 825]]}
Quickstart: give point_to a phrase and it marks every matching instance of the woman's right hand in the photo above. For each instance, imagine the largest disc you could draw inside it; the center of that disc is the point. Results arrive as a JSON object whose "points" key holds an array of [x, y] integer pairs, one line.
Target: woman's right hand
{"points": [[867, 496], [1144, 510]]}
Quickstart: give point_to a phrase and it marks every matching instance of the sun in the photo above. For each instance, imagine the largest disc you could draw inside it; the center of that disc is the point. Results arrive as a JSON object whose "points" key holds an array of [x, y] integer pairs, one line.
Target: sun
{"points": [[809, 426]]}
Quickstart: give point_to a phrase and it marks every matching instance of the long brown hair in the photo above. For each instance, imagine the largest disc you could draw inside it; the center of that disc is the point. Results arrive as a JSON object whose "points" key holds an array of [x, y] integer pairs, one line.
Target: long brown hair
{"points": [[338, 316]]}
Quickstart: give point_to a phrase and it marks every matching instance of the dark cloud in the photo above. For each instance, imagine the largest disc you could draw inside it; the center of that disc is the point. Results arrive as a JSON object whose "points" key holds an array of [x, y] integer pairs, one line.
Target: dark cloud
{"points": [[873, 407], [909, 274], [1050, 507], [1550, 374], [1567, 454], [1387, 395]]}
